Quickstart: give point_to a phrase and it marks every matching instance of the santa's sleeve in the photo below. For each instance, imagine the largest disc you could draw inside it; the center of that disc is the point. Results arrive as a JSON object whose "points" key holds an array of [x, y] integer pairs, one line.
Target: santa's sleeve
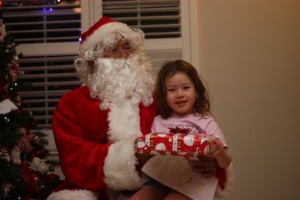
{"points": [[81, 159], [91, 164], [225, 181]]}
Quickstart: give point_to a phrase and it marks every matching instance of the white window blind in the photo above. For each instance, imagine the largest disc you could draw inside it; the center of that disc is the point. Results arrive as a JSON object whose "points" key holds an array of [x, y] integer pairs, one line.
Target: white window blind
{"points": [[43, 31], [51, 77], [30, 23], [157, 18]]}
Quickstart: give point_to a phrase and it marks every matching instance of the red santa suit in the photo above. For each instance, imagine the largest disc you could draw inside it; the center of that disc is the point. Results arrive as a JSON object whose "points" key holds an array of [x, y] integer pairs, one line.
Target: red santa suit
{"points": [[88, 160]]}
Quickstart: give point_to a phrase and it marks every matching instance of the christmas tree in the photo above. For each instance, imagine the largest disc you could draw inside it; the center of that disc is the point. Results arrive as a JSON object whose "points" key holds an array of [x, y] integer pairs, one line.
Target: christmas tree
{"points": [[24, 170]]}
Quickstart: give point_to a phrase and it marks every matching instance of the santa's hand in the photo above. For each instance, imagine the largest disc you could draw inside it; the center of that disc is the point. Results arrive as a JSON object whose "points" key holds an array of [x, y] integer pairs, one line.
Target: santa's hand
{"points": [[206, 166]]}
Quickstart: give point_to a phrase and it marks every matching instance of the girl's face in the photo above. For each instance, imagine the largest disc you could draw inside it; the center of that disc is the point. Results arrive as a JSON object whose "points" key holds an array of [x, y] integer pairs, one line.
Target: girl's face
{"points": [[181, 94]]}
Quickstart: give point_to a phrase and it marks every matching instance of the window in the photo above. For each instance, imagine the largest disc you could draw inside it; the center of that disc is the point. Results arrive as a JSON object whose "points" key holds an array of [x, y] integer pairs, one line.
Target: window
{"points": [[40, 30]]}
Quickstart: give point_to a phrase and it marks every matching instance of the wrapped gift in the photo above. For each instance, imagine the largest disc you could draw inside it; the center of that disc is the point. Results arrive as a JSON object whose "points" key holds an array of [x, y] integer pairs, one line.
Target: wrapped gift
{"points": [[180, 144]]}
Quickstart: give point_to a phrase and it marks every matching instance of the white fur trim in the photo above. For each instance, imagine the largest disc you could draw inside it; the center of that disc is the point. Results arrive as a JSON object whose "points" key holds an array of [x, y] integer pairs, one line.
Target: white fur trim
{"points": [[124, 120], [119, 167], [73, 195], [120, 163], [91, 41], [228, 185]]}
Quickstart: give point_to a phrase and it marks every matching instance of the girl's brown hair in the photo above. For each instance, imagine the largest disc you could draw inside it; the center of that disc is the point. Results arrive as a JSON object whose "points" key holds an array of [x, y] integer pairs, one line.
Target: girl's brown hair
{"points": [[169, 69]]}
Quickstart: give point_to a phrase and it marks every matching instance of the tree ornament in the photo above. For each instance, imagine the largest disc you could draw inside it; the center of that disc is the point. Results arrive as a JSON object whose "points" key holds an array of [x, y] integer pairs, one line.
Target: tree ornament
{"points": [[39, 165], [15, 154], [6, 189], [24, 142]]}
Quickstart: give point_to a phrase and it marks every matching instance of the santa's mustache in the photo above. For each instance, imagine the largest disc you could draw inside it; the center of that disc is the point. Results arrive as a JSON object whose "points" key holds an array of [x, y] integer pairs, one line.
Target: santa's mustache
{"points": [[116, 80]]}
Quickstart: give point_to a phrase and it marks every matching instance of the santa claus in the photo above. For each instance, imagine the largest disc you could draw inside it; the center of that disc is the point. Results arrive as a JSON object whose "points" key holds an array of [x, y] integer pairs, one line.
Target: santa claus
{"points": [[95, 126]]}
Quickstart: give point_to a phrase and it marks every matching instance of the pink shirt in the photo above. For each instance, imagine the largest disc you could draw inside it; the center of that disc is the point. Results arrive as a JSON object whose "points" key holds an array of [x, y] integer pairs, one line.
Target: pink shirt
{"points": [[197, 124]]}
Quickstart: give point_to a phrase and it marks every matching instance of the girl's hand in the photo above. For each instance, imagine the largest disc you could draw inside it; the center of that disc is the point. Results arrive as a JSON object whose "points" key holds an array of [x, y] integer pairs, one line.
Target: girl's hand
{"points": [[219, 152], [207, 166], [216, 148]]}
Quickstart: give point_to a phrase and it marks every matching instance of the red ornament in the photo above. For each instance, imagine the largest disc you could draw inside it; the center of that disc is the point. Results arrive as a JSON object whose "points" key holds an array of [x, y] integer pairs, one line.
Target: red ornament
{"points": [[31, 179], [24, 140]]}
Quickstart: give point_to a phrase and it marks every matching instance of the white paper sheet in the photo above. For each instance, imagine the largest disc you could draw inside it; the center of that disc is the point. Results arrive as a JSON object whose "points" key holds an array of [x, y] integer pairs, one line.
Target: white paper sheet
{"points": [[175, 172]]}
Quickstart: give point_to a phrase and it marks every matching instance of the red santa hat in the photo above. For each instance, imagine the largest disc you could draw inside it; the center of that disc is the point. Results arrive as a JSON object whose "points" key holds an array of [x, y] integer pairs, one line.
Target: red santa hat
{"points": [[99, 30]]}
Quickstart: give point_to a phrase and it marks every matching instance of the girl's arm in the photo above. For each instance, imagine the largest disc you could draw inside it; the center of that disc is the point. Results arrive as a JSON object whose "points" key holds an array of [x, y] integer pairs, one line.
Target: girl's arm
{"points": [[220, 153]]}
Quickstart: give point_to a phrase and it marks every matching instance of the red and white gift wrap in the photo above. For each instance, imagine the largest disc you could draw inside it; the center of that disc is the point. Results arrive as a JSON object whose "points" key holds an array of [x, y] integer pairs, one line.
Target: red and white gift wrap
{"points": [[179, 144], [188, 145]]}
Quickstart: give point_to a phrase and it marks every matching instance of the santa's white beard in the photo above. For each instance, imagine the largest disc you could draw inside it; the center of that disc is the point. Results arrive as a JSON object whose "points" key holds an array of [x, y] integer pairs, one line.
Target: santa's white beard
{"points": [[119, 80], [122, 85]]}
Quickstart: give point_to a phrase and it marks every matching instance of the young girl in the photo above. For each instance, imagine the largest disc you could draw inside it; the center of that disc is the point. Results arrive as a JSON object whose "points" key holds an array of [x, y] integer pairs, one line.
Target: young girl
{"points": [[182, 101]]}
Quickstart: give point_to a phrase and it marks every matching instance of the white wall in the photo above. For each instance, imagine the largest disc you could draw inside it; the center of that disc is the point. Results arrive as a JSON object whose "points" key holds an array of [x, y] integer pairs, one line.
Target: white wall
{"points": [[250, 58]]}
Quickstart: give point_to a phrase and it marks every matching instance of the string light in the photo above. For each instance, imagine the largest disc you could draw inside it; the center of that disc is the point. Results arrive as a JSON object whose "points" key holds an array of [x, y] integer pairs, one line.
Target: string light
{"points": [[18, 3], [7, 119]]}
